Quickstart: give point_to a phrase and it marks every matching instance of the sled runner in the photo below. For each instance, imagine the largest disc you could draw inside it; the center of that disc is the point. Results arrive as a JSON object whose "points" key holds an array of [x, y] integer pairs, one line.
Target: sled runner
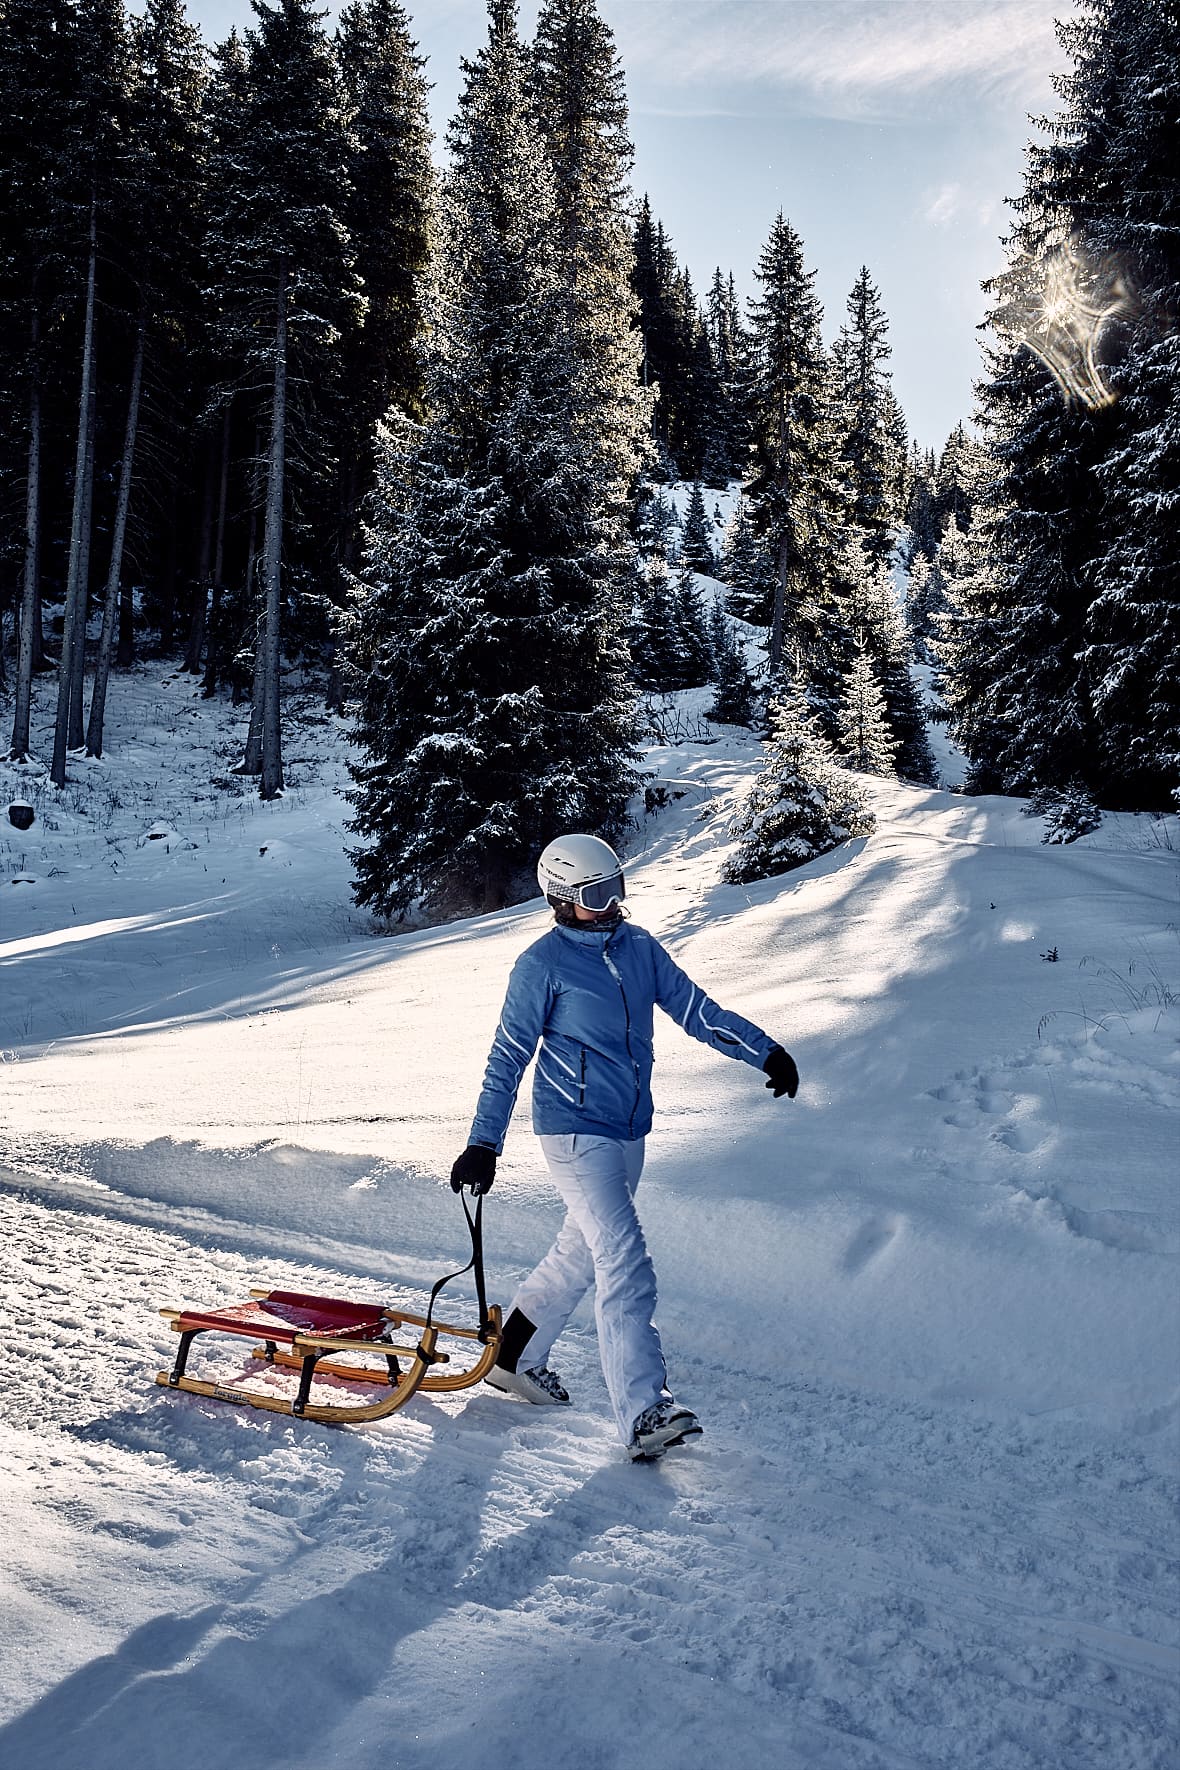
{"points": [[319, 1336]]}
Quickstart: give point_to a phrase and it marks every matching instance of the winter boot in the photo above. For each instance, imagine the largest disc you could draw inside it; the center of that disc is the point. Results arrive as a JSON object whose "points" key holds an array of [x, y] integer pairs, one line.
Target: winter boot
{"points": [[660, 1427], [540, 1386]]}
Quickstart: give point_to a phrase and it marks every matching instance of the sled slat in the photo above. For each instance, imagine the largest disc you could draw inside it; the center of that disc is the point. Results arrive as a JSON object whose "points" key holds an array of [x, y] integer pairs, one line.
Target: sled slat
{"points": [[324, 1413], [430, 1385]]}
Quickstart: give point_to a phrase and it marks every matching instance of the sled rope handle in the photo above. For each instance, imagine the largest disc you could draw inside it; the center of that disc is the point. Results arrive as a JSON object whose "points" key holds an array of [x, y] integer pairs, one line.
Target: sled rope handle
{"points": [[474, 1266]]}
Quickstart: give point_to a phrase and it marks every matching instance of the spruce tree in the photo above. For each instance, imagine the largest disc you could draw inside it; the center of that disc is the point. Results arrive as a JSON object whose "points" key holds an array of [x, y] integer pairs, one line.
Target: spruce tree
{"points": [[726, 334], [735, 699], [793, 449], [801, 805], [672, 362], [921, 517], [747, 569], [1049, 416], [492, 701], [967, 633], [865, 738], [876, 623], [867, 448], [388, 213], [926, 598], [654, 636], [1130, 653], [695, 659], [655, 523], [696, 544], [581, 106]]}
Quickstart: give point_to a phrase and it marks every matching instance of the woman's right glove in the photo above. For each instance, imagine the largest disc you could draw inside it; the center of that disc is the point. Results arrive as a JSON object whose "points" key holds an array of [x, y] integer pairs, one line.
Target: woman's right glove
{"points": [[475, 1169], [780, 1068]]}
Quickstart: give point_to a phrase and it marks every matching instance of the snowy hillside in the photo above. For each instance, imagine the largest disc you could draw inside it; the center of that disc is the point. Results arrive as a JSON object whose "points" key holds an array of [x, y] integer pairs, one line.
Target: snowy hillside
{"points": [[928, 1312]]}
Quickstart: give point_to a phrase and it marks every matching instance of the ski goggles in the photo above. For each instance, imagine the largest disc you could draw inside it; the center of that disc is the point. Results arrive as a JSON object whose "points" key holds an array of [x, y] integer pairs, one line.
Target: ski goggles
{"points": [[601, 893]]}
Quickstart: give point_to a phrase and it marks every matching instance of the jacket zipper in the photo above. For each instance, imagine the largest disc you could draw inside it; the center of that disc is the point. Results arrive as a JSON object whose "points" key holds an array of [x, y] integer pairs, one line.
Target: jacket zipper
{"points": [[582, 1084], [614, 971]]}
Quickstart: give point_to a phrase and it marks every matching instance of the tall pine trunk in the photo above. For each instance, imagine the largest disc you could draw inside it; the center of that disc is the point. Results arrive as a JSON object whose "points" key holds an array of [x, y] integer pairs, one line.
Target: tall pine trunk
{"points": [[76, 736], [73, 639], [200, 617], [30, 611], [252, 756], [272, 549], [213, 658], [102, 669]]}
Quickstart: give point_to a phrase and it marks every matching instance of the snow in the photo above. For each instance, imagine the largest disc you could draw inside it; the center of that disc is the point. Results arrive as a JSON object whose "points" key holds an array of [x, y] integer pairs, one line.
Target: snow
{"points": [[928, 1311]]}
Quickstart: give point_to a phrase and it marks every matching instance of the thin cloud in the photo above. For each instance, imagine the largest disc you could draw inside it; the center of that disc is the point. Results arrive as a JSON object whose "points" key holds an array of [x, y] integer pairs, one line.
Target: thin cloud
{"points": [[942, 207], [953, 202], [849, 56]]}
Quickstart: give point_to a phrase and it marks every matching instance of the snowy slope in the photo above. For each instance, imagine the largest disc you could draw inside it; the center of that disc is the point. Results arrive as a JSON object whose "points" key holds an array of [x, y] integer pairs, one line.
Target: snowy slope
{"points": [[928, 1311]]}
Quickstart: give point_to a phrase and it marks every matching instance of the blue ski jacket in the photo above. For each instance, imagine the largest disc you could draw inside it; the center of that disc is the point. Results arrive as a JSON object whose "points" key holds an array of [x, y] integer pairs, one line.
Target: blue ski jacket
{"points": [[587, 995]]}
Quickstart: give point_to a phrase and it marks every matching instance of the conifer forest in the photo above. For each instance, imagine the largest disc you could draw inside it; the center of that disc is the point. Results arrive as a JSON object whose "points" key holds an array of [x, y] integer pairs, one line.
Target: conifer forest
{"points": [[291, 391]]}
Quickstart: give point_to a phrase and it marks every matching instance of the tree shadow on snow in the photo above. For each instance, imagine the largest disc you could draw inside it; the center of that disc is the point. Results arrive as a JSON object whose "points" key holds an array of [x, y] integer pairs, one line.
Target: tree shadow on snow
{"points": [[268, 1676]]}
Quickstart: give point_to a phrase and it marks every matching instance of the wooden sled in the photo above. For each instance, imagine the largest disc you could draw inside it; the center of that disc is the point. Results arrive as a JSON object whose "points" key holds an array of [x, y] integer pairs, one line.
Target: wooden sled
{"points": [[303, 1332]]}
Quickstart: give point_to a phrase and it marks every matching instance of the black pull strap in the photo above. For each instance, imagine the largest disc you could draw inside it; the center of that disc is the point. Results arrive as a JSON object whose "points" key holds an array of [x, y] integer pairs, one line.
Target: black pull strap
{"points": [[474, 1265]]}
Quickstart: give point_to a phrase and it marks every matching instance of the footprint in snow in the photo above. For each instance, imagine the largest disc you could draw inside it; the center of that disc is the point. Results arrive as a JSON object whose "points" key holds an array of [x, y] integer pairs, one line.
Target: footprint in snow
{"points": [[1022, 1138], [993, 1101], [870, 1240]]}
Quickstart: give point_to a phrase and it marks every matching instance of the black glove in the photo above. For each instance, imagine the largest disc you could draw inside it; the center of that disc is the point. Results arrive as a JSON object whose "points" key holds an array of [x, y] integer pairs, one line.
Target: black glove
{"points": [[475, 1168], [784, 1076]]}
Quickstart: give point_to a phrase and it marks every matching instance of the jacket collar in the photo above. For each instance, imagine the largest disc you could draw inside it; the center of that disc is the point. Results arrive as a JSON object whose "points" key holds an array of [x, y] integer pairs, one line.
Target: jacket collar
{"points": [[586, 936]]}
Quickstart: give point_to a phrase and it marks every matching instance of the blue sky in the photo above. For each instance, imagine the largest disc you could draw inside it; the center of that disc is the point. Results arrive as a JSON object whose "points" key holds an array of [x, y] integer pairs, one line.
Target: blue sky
{"points": [[888, 131]]}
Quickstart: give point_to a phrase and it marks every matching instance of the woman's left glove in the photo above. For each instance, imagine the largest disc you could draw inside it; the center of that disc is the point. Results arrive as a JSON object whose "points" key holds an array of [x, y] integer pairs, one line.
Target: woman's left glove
{"points": [[475, 1169], [781, 1069]]}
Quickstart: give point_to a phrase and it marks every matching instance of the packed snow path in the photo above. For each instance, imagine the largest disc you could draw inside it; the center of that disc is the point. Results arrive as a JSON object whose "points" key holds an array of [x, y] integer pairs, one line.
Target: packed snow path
{"points": [[928, 1313]]}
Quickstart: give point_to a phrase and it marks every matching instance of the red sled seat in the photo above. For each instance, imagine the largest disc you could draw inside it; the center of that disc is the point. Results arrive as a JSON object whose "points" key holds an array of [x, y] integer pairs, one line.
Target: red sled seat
{"points": [[284, 1316]]}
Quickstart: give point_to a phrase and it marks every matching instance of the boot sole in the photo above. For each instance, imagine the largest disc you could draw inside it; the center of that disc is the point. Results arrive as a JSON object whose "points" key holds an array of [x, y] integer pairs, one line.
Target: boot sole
{"points": [[651, 1453], [540, 1400]]}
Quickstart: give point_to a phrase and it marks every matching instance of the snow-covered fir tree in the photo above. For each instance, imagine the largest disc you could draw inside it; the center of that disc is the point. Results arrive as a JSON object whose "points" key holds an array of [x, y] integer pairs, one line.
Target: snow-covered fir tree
{"points": [[696, 536], [735, 699], [1131, 640], [696, 654], [865, 738], [581, 106], [655, 524], [654, 633], [926, 597], [746, 568], [493, 705], [876, 623], [867, 446], [727, 341], [389, 214], [1062, 695], [678, 366], [669, 638], [793, 451], [967, 633], [803, 802]]}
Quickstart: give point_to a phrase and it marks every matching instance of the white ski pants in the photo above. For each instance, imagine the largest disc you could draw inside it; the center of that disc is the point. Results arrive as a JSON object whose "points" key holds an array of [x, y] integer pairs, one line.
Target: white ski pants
{"points": [[600, 1244]]}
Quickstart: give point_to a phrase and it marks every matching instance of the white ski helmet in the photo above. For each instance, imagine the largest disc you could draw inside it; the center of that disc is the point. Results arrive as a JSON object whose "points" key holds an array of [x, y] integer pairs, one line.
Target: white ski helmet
{"points": [[581, 869]]}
